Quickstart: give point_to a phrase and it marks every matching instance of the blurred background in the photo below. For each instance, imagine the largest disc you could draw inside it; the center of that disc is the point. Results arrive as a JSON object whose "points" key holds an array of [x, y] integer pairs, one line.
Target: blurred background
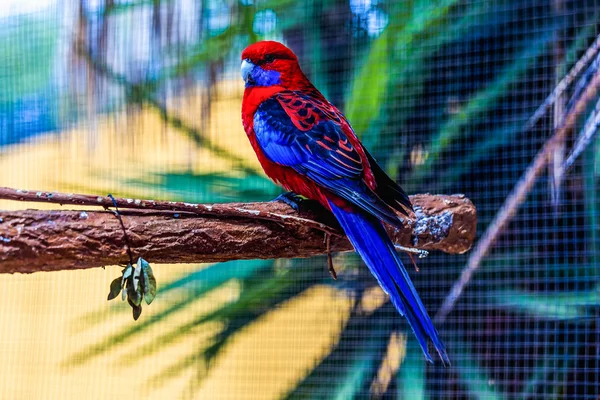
{"points": [[141, 98]]}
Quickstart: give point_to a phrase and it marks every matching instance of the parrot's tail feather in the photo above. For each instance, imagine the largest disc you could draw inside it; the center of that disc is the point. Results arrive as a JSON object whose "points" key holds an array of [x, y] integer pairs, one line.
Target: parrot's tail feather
{"points": [[372, 243]]}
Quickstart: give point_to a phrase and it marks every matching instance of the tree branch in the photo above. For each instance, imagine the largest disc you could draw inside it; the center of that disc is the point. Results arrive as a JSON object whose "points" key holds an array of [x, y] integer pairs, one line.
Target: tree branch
{"points": [[172, 232]]}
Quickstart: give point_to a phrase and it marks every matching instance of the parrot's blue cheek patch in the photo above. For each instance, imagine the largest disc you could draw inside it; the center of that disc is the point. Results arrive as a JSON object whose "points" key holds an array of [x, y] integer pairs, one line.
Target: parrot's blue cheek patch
{"points": [[263, 77]]}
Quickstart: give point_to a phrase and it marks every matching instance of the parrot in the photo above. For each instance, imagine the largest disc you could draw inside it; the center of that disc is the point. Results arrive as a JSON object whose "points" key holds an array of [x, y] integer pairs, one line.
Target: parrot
{"points": [[306, 145]]}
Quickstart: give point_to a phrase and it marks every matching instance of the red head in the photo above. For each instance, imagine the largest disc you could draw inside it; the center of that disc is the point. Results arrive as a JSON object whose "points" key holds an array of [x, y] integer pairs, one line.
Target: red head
{"points": [[271, 63]]}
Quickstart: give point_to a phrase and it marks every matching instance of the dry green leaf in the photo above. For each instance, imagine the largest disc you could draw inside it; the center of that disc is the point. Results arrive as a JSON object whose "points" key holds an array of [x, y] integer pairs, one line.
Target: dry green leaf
{"points": [[115, 288]]}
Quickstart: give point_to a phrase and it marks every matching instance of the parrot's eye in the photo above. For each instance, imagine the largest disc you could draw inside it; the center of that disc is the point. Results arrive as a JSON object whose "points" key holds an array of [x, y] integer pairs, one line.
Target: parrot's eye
{"points": [[269, 58]]}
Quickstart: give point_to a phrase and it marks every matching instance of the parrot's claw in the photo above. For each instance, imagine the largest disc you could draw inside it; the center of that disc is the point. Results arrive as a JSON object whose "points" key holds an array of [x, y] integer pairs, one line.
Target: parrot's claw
{"points": [[291, 199], [412, 250]]}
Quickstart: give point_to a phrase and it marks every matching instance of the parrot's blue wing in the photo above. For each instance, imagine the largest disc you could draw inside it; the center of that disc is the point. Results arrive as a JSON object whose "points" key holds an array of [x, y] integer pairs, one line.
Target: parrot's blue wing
{"points": [[305, 134], [316, 147], [306, 111]]}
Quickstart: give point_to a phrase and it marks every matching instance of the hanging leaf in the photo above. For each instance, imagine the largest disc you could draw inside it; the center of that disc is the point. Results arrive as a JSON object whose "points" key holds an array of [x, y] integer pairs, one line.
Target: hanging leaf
{"points": [[149, 281], [136, 309], [115, 288], [135, 284], [137, 273], [134, 296], [126, 274], [144, 274]]}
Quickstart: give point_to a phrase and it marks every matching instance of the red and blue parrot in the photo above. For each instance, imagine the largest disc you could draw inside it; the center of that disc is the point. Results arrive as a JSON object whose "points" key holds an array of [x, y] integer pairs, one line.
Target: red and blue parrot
{"points": [[306, 145]]}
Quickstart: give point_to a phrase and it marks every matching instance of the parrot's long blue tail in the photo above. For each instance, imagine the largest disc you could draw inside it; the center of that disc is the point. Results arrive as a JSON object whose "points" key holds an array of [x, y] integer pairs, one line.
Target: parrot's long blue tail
{"points": [[373, 244]]}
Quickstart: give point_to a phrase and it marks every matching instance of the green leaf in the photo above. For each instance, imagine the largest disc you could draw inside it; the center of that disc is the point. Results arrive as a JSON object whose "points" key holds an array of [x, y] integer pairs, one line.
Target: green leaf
{"points": [[212, 276], [261, 293], [481, 103], [124, 281], [406, 31], [557, 306], [151, 291], [369, 86], [136, 309], [137, 274], [210, 187], [134, 296], [473, 375], [115, 288], [192, 286], [126, 274], [348, 370], [149, 282], [411, 376]]}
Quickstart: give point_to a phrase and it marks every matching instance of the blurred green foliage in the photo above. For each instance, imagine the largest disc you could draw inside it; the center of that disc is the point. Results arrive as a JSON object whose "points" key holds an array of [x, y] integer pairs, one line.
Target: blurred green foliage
{"points": [[27, 46]]}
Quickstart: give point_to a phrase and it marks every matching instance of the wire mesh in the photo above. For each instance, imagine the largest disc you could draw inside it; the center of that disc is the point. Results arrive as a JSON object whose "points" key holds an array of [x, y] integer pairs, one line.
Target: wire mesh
{"points": [[141, 99]]}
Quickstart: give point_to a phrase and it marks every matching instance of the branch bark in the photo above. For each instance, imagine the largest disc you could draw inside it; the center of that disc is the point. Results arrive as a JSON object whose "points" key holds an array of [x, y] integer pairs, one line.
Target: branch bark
{"points": [[36, 240]]}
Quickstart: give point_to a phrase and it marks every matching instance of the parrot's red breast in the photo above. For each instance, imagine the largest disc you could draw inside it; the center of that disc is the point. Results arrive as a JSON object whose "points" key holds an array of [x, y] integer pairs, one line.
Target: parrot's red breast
{"points": [[317, 108]]}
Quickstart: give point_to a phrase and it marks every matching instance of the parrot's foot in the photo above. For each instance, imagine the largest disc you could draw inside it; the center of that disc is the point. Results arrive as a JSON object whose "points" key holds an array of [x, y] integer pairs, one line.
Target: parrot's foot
{"points": [[412, 250], [291, 199], [330, 267]]}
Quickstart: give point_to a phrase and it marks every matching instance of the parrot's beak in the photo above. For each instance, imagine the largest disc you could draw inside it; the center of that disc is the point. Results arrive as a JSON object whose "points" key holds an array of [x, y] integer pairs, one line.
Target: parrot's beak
{"points": [[247, 68]]}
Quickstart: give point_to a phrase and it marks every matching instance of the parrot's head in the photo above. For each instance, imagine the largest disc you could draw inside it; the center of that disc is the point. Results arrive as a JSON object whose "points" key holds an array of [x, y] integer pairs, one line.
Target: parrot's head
{"points": [[270, 63]]}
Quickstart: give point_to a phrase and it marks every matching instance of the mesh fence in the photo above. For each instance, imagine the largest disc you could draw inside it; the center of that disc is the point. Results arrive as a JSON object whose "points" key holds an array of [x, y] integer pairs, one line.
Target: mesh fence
{"points": [[141, 99]]}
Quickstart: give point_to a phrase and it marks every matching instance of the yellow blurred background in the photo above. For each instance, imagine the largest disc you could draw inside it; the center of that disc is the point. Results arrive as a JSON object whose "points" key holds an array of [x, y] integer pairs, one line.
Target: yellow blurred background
{"points": [[48, 319]]}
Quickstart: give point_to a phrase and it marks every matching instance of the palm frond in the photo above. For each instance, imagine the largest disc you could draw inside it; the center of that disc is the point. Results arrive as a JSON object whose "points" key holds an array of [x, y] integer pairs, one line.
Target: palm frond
{"points": [[348, 370], [576, 306]]}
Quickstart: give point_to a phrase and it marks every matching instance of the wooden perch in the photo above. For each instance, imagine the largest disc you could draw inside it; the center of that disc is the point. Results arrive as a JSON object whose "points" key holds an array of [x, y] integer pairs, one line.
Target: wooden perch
{"points": [[173, 232]]}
